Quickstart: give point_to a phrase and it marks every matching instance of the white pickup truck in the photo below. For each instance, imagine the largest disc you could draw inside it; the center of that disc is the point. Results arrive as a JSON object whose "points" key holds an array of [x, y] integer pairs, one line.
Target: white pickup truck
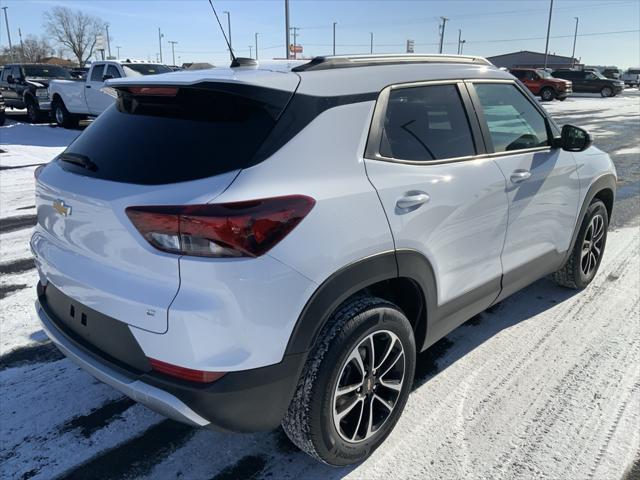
{"points": [[73, 100], [631, 77]]}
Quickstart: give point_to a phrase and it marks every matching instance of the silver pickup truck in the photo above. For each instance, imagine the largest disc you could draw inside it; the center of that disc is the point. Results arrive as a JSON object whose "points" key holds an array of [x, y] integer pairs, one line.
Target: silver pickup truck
{"points": [[73, 100]]}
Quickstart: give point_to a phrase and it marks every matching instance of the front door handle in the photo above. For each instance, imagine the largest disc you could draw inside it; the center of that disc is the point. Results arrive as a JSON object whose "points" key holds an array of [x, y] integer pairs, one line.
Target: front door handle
{"points": [[520, 176], [412, 200]]}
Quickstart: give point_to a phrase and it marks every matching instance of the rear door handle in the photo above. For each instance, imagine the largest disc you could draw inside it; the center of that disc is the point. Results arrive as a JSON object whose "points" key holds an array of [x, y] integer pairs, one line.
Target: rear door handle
{"points": [[520, 176], [412, 199]]}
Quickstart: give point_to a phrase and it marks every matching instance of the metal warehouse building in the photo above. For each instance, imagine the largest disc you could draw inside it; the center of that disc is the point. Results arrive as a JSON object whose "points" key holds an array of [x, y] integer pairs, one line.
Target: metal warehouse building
{"points": [[525, 58]]}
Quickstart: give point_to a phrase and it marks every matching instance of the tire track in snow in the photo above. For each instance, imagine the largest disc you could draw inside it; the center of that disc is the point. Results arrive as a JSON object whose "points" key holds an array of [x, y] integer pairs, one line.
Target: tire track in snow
{"points": [[40, 353], [99, 418], [11, 224]]}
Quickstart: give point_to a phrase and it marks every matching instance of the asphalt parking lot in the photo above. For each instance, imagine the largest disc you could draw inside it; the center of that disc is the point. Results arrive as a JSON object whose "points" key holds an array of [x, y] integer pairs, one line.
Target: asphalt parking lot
{"points": [[544, 385]]}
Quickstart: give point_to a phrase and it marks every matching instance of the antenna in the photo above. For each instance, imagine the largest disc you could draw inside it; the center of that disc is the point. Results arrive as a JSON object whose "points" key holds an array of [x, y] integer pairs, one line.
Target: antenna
{"points": [[223, 34]]}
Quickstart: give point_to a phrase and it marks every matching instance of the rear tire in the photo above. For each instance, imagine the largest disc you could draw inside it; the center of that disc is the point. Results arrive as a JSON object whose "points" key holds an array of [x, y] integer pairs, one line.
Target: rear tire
{"points": [[367, 349], [547, 94], [62, 116], [33, 112], [583, 264], [606, 92]]}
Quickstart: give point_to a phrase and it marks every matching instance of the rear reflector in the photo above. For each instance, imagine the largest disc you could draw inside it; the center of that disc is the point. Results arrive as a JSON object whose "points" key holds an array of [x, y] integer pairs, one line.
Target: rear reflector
{"points": [[185, 373], [238, 229]]}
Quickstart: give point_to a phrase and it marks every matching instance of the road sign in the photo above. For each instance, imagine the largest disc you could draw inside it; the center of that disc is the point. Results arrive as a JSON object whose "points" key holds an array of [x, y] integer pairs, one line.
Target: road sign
{"points": [[410, 46], [295, 48], [99, 42]]}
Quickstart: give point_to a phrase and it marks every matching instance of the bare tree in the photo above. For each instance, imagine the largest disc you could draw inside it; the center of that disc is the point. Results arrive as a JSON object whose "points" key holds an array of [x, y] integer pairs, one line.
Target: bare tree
{"points": [[75, 30], [33, 49]]}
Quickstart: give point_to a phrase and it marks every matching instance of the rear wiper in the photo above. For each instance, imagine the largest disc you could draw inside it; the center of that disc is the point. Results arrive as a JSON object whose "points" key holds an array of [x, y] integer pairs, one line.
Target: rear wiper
{"points": [[79, 160]]}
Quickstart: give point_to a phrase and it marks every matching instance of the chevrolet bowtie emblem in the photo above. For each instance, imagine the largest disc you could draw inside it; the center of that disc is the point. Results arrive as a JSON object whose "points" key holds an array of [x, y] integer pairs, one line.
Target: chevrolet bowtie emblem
{"points": [[60, 207]]}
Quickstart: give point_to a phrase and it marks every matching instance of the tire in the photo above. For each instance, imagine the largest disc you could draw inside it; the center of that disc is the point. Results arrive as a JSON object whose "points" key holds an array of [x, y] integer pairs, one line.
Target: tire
{"points": [[33, 112], [311, 421], [62, 116], [2, 117], [606, 92], [547, 94], [562, 99], [581, 268]]}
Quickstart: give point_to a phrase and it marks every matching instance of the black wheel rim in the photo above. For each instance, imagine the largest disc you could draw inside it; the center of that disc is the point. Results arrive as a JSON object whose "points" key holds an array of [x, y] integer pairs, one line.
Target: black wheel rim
{"points": [[547, 95], [592, 245], [369, 386]]}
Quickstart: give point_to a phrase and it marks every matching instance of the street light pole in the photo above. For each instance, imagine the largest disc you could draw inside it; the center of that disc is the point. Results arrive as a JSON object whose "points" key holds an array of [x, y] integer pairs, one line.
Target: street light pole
{"points": [[6, 21], [250, 51], [371, 46], [256, 36], [286, 27], [160, 35], [228, 14], [108, 40], [573, 54], [118, 48], [173, 51], [334, 37], [459, 40], [444, 23], [546, 48], [462, 45]]}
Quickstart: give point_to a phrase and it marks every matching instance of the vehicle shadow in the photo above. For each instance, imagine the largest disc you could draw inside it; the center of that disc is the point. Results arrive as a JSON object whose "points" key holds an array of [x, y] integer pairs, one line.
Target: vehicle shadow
{"points": [[277, 457]]}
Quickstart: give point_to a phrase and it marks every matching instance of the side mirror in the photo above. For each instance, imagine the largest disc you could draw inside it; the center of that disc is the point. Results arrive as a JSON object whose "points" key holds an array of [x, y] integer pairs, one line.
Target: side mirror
{"points": [[10, 79], [106, 77], [573, 139]]}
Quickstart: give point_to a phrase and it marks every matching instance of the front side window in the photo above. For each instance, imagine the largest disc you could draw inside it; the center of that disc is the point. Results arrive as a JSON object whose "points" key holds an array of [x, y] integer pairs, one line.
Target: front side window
{"points": [[513, 122], [96, 73], [113, 71], [426, 123]]}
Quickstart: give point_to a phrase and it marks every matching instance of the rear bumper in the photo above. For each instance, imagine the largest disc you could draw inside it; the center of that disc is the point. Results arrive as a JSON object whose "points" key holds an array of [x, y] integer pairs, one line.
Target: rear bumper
{"points": [[244, 401]]}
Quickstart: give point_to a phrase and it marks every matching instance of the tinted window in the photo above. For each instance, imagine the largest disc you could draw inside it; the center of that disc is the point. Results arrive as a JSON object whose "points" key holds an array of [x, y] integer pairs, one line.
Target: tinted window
{"points": [[514, 123], [113, 71], [518, 74], [136, 69], [96, 72], [197, 133], [426, 123], [5, 73], [45, 71], [17, 73]]}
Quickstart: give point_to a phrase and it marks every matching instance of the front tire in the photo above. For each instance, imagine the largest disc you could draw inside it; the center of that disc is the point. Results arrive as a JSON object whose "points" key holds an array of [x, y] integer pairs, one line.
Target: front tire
{"points": [[583, 264], [355, 383], [606, 92], [62, 116], [547, 94]]}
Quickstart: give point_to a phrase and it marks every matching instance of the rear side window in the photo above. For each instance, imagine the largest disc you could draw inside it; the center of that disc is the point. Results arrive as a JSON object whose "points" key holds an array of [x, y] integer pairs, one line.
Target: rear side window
{"points": [[513, 123], [189, 134], [113, 71], [426, 123], [96, 73]]}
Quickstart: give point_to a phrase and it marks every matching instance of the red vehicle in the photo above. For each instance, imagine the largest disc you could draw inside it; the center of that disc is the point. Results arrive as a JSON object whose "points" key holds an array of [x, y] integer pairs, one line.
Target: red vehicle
{"points": [[541, 83]]}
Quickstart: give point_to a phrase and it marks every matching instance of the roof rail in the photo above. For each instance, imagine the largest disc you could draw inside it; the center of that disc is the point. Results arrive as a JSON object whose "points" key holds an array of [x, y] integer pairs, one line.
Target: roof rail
{"points": [[349, 61]]}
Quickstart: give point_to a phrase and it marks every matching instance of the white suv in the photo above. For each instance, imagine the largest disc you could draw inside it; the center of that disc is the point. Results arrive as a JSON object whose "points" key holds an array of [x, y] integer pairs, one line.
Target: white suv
{"points": [[247, 247]]}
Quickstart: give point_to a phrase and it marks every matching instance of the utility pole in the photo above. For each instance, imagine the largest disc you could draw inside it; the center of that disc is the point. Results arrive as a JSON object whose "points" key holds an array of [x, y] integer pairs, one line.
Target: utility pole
{"points": [[108, 40], [546, 48], [250, 51], [21, 46], [459, 42], [160, 35], [118, 48], [444, 23], [573, 54], [256, 36], [462, 45], [6, 21], [173, 51], [295, 41], [371, 42], [228, 14], [286, 27], [334, 37]]}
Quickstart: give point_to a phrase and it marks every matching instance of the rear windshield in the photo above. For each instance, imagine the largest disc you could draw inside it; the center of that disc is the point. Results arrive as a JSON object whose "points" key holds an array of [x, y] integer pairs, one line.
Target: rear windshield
{"points": [[196, 133], [136, 69]]}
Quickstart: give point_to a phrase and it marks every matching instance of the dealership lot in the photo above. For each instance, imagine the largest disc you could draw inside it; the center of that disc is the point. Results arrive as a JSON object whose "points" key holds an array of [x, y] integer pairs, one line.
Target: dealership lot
{"points": [[500, 397]]}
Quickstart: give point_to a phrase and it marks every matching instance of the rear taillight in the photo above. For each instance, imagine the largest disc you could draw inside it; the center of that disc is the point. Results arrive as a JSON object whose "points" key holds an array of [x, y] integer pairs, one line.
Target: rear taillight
{"points": [[238, 229], [183, 373]]}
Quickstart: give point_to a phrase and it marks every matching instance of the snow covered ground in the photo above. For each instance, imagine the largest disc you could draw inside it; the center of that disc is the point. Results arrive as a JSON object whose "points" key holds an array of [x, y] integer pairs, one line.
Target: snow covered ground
{"points": [[544, 385]]}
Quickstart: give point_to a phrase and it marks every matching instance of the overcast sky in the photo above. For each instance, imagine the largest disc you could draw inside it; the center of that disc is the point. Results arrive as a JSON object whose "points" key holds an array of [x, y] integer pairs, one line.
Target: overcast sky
{"points": [[609, 30]]}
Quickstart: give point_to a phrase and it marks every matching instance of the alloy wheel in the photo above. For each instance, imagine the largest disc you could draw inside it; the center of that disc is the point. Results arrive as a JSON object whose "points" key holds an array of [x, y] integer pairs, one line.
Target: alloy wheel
{"points": [[592, 245], [368, 386]]}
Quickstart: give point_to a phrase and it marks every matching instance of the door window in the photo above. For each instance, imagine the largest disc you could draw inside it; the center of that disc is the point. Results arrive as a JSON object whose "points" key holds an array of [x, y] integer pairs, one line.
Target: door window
{"points": [[96, 73], [513, 122], [113, 71], [426, 123]]}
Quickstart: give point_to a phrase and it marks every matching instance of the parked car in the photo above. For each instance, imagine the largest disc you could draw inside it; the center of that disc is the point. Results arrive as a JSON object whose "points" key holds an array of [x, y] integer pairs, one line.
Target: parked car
{"points": [[24, 85], [631, 77], [542, 83], [2, 109], [591, 82], [73, 100], [205, 249]]}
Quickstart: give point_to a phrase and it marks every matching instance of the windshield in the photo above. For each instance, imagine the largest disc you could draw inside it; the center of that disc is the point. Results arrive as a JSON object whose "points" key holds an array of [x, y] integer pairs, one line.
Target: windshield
{"points": [[544, 74], [45, 71], [137, 69]]}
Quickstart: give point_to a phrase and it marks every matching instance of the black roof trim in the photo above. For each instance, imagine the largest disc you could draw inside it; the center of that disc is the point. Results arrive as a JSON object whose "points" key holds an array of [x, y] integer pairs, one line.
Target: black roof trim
{"points": [[330, 62]]}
